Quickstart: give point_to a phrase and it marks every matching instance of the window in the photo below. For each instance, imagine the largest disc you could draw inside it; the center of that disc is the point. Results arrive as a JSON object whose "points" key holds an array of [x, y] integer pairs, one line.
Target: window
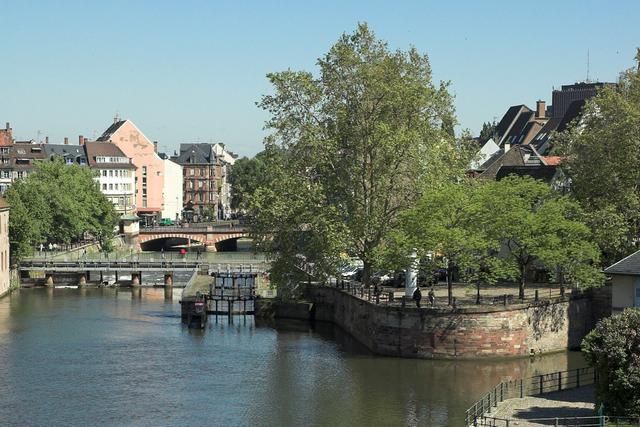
{"points": [[115, 186], [192, 171], [144, 171], [110, 173], [200, 184], [4, 150], [110, 186], [20, 174], [104, 186], [104, 173], [6, 174], [5, 161], [201, 171]]}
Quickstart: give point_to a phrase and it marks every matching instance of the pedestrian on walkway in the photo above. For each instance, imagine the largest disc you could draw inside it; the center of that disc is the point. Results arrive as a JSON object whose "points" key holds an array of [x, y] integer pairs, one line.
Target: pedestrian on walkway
{"points": [[432, 297], [417, 296]]}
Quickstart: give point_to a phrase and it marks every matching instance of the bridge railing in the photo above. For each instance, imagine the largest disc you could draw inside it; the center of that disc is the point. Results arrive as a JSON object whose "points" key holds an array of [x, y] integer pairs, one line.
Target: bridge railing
{"points": [[200, 230]]}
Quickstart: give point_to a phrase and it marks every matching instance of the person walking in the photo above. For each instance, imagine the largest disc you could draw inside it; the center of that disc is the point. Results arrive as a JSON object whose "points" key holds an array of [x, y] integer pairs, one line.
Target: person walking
{"points": [[417, 296], [432, 297]]}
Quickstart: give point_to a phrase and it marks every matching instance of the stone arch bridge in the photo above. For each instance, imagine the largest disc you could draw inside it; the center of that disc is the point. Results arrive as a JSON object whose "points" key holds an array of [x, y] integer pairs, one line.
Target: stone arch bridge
{"points": [[210, 237]]}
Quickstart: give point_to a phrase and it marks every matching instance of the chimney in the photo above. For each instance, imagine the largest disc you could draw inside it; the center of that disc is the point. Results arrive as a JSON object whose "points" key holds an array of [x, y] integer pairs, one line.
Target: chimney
{"points": [[46, 139], [540, 109], [81, 140], [8, 126], [155, 147], [66, 140]]}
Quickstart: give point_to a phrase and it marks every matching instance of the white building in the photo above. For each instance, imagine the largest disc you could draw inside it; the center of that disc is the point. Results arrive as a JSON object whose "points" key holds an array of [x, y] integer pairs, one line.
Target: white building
{"points": [[172, 190], [227, 159], [116, 174]]}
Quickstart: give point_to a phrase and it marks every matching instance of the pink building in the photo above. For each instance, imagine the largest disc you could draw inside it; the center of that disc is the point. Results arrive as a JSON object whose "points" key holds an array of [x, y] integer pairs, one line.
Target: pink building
{"points": [[150, 167]]}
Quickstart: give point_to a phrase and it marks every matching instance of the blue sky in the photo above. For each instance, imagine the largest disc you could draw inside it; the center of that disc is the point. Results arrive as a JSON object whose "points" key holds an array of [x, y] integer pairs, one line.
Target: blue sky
{"points": [[192, 70]]}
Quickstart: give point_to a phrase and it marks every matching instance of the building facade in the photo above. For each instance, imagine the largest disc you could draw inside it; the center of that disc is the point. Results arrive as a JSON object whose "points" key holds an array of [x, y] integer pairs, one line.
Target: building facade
{"points": [[5, 269], [149, 173], [205, 169], [172, 190], [116, 175]]}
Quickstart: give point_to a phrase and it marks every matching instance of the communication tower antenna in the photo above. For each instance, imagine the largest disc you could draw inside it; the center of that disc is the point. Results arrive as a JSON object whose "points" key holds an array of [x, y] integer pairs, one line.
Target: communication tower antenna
{"points": [[588, 66]]}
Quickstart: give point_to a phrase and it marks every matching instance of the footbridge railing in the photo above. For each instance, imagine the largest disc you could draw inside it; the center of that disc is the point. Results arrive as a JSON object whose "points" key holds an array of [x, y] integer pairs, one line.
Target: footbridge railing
{"points": [[479, 413]]}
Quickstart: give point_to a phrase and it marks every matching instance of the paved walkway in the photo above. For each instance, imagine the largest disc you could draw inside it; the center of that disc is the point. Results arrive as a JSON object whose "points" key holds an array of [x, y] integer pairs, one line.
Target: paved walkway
{"points": [[575, 402]]}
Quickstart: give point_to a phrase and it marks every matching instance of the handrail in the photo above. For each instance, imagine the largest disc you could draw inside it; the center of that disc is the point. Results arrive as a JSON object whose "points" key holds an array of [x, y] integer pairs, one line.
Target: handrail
{"points": [[532, 386]]}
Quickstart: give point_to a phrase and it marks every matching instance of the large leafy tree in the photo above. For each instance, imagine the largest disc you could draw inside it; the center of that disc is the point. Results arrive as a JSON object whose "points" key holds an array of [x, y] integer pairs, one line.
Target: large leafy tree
{"points": [[444, 225], [613, 349], [536, 225], [602, 155], [247, 175], [359, 142], [57, 203]]}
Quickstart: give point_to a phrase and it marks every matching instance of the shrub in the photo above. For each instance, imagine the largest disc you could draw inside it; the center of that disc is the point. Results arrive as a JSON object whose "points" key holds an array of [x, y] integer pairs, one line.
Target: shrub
{"points": [[613, 349]]}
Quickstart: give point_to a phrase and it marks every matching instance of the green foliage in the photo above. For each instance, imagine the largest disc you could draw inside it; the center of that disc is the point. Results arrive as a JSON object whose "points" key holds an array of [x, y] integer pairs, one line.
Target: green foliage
{"points": [[358, 143], [445, 222], [536, 224], [487, 131], [613, 349], [57, 203], [496, 230], [602, 154], [247, 175]]}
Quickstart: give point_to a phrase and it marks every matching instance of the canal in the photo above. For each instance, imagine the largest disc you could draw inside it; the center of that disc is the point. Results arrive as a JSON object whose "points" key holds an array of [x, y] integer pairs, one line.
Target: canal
{"points": [[122, 357]]}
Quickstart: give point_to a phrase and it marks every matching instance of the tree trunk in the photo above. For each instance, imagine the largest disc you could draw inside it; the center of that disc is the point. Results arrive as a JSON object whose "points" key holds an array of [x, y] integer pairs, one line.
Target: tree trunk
{"points": [[523, 277], [450, 283], [366, 273], [478, 292]]}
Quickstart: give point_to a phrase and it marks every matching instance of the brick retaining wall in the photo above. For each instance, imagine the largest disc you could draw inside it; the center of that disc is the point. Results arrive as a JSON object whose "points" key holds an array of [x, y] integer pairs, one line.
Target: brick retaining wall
{"points": [[472, 332]]}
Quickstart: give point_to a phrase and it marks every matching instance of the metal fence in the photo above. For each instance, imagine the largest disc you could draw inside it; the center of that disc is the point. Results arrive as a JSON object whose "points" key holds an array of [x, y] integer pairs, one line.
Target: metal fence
{"points": [[593, 421], [384, 295], [479, 413]]}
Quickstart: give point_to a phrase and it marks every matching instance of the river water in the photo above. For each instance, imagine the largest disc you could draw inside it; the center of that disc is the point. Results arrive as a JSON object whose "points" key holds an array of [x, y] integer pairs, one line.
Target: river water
{"points": [[122, 357]]}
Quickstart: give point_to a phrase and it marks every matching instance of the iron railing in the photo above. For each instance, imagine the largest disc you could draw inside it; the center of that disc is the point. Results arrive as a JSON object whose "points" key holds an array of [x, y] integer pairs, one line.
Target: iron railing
{"points": [[533, 386]]}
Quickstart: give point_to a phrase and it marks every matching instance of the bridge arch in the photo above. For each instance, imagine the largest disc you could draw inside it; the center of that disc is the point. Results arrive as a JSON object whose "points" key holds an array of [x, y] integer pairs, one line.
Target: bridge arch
{"points": [[156, 241], [226, 242]]}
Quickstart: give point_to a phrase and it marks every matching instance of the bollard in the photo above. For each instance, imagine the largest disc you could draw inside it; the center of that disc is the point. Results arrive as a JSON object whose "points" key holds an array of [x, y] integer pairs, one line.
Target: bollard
{"points": [[536, 295]]}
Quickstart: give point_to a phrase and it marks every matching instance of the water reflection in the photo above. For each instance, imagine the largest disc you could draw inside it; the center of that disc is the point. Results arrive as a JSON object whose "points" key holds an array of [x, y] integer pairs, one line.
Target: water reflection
{"points": [[109, 356]]}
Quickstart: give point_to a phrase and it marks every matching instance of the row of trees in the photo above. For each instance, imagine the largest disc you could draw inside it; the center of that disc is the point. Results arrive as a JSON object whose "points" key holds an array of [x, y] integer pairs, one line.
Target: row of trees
{"points": [[362, 160], [498, 230], [57, 203]]}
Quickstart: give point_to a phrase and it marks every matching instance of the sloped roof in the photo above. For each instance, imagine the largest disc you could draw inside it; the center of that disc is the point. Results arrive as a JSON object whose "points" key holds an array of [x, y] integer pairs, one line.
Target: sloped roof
{"points": [[106, 149], [199, 153], [503, 126], [551, 160], [106, 135], [540, 141], [627, 266], [521, 123], [67, 151]]}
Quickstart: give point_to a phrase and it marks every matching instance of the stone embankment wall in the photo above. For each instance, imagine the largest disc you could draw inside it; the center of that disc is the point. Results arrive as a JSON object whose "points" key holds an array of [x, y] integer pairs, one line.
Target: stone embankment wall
{"points": [[473, 332]]}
